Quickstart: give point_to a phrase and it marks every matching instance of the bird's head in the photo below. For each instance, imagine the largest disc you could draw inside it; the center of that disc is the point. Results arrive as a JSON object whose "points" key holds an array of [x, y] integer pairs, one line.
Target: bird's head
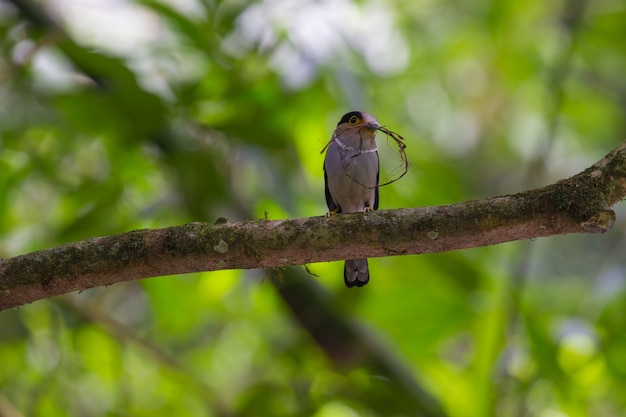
{"points": [[357, 121]]}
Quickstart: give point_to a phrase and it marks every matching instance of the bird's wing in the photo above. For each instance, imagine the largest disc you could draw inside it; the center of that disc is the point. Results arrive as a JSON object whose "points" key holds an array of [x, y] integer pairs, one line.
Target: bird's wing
{"points": [[376, 190], [329, 199]]}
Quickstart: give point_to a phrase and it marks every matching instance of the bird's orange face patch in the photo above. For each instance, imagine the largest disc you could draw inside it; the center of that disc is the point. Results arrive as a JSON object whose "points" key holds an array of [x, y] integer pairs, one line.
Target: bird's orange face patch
{"points": [[357, 122]]}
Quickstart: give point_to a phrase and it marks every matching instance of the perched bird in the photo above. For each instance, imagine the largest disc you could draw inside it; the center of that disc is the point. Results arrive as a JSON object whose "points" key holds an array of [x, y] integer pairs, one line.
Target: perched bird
{"points": [[351, 178]]}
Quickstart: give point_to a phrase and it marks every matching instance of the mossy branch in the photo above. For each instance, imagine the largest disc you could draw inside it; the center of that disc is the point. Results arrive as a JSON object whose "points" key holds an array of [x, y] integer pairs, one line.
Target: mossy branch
{"points": [[580, 204]]}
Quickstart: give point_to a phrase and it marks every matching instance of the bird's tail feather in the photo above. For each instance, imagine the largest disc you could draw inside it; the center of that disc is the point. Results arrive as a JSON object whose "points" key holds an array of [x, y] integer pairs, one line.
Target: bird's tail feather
{"points": [[356, 273]]}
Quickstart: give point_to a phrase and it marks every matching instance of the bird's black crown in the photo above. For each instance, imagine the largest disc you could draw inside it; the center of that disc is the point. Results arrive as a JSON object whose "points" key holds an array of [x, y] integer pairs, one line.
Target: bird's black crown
{"points": [[346, 117]]}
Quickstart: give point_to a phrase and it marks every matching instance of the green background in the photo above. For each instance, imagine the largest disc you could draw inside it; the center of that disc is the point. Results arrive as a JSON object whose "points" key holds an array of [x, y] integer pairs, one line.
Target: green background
{"points": [[150, 114]]}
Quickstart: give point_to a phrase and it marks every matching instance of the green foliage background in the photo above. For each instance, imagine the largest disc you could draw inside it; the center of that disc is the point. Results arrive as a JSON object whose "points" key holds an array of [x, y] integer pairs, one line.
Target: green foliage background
{"points": [[152, 113]]}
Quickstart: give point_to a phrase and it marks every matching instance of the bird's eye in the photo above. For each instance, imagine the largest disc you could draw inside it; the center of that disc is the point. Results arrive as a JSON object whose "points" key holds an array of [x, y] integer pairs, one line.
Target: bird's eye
{"points": [[353, 120]]}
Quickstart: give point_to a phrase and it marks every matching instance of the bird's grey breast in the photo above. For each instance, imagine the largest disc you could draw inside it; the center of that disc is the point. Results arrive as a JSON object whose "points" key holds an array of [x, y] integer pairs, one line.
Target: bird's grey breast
{"points": [[351, 172]]}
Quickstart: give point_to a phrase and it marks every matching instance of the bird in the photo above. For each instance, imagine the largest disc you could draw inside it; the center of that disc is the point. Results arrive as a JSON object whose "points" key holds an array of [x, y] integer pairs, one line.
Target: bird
{"points": [[351, 178]]}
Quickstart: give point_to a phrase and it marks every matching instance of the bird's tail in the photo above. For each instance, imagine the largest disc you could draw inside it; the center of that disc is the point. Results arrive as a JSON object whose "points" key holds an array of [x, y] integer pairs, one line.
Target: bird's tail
{"points": [[356, 273]]}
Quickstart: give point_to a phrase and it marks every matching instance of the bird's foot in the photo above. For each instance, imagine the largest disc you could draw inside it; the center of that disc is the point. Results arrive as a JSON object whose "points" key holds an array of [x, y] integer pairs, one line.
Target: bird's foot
{"points": [[367, 209], [332, 212]]}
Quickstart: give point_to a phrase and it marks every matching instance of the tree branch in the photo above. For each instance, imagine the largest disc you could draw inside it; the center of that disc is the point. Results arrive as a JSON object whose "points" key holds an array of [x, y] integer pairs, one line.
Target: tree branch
{"points": [[580, 204]]}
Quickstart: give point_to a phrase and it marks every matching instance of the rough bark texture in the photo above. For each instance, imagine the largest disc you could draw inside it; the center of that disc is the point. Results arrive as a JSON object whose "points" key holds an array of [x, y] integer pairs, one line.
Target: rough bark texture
{"points": [[580, 204]]}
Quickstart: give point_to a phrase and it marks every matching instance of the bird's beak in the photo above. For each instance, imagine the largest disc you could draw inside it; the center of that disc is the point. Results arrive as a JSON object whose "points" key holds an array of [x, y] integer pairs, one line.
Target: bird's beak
{"points": [[373, 125]]}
